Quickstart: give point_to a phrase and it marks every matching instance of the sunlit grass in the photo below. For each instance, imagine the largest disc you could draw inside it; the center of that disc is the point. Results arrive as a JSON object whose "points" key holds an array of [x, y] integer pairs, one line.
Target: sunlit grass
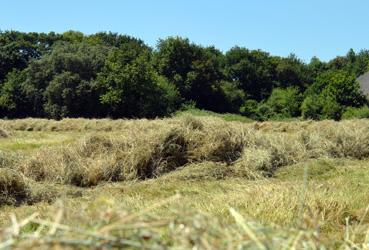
{"points": [[315, 194], [27, 141]]}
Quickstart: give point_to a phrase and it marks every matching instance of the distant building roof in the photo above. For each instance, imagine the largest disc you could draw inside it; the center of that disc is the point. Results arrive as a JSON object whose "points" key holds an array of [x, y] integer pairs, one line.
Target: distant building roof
{"points": [[364, 83]]}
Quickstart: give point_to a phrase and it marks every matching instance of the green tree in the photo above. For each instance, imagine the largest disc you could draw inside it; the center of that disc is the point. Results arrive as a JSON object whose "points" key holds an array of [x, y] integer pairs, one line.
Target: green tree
{"points": [[250, 108], [342, 86], [330, 94], [70, 66], [285, 102], [316, 67], [17, 49], [311, 107], [231, 97], [13, 100], [291, 71], [252, 71], [195, 70], [15, 52], [131, 87], [113, 40], [67, 95]]}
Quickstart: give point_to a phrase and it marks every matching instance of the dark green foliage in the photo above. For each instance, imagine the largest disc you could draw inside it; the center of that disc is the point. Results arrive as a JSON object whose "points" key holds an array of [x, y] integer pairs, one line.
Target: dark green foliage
{"points": [[330, 94], [252, 71], [232, 97], [355, 63], [250, 108], [13, 99], [68, 95], [131, 87], [282, 103], [112, 75], [291, 71], [60, 84], [17, 49], [316, 67], [196, 72]]}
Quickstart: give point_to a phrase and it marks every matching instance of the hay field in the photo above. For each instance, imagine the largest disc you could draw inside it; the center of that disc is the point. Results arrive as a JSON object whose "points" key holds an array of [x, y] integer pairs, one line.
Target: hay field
{"points": [[184, 183]]}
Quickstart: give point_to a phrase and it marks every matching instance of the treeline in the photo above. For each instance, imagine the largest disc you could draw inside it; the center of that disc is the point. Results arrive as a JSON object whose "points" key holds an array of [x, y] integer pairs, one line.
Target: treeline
{"points": [[111, 75]]}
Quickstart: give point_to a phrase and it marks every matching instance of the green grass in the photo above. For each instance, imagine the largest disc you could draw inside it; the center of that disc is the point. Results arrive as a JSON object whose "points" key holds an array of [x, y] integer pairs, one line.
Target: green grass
{"points": [[206, 113], [28, 141]]}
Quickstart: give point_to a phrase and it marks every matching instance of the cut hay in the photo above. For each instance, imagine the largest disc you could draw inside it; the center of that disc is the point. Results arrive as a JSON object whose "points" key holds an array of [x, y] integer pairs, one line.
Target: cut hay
{"points": [[3, 133], [148, 149], [95, 159], [13, 187], [212, 171]]}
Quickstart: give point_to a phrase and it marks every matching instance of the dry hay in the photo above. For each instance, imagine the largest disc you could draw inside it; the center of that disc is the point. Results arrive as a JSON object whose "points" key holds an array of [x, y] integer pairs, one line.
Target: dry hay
{"points": [[148, 149], [4, 133], [13, 187]]}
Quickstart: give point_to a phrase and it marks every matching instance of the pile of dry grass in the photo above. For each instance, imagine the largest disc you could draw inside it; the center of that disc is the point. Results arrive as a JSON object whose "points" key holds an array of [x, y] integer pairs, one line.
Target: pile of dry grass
{"points": [[140, 152], [336, 139], [100, 158], [9, 159], [75, 124], [13, 187], [148, 149], [208, 170], [269, 150], [181, 229], [3, 133]]}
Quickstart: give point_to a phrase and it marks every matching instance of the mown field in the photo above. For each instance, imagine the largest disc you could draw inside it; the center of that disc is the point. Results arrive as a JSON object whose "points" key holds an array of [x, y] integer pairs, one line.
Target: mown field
{"points": [[188, 182]]}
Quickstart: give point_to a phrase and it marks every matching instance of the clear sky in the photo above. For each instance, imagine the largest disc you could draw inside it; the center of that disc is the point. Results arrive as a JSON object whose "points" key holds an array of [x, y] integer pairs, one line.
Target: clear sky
{"points": [[323, 28]]}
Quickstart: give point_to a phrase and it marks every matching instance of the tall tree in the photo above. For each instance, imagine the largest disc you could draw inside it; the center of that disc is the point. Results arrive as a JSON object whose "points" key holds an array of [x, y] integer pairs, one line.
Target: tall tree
{"points": [[195, 70], [131, 87], [252, 71]]}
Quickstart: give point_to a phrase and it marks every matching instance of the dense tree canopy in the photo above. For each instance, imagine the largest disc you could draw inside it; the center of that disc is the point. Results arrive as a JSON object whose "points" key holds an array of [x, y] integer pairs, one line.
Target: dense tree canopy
{"points": [[130, 87], [329, 96], [111, 75]]}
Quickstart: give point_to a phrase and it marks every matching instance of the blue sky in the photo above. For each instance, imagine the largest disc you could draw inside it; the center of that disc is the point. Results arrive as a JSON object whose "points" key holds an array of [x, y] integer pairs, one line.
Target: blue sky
{"points": [[324, 28]]}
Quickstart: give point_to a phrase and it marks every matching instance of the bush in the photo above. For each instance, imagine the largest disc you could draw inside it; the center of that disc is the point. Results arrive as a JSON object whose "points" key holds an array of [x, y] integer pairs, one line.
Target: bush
{"points": [[330, 94], [285, 102], [356, 113], [233, 97], [205, 113], [250, 109], [331, 109], [319, 107]]}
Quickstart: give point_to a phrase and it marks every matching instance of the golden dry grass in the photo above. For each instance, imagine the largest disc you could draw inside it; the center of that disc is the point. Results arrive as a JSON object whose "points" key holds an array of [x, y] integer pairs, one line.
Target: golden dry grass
{"points": [[3, 133], [148, 149], [13, 187], [115, 184]]}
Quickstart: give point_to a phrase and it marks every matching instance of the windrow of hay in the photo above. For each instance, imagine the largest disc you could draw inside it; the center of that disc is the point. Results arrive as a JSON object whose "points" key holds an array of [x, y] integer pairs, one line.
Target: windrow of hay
{"points": [[337, 139], [13, 187], [100, 158], [75, 124], [148, 149], [16, 189], [209, 170], [4, 133], [9, 159], [136, 153]]}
